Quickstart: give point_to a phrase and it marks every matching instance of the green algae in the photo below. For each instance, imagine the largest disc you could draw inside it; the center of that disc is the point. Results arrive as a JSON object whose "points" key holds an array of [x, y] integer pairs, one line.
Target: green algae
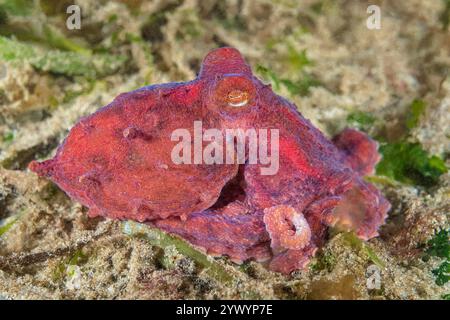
{"points": [[164, 240], [363, 247], [9, 222], [60, 62], [409, 163]]}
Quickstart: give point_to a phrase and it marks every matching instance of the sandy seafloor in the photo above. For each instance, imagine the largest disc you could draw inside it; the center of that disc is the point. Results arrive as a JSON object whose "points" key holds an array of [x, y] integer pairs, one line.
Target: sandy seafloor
{"points": [[54, 251]]}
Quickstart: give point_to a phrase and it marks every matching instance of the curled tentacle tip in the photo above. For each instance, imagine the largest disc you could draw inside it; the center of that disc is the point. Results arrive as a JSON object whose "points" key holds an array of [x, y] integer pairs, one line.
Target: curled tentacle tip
{"points": [[288, 229]]}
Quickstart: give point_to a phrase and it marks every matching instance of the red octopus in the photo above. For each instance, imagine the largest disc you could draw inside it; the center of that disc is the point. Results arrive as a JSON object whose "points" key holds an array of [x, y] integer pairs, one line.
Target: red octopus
{"points": [[119, 163]]}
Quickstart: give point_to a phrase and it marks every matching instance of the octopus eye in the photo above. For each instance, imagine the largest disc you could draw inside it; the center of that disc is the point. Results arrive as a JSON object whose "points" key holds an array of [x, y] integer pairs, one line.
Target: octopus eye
{"points": [[232, 92], [237, 98]]}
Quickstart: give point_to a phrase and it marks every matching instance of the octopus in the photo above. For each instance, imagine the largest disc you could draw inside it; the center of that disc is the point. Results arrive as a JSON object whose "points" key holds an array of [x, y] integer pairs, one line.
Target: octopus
{"points": [[119, 162]]}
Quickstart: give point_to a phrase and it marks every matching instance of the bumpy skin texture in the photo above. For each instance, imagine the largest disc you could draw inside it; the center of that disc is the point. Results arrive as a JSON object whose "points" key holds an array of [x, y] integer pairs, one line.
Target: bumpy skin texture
{"points": [[117, 162]]}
